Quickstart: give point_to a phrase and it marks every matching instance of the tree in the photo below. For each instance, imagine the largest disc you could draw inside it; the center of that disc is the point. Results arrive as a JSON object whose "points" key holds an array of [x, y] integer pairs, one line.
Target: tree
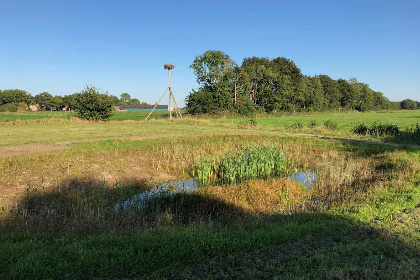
{"points": [[366, 98], [68, 100], [252, 76], [408, 104], [57, 102], [92, 105], [215, 72], [395, 105], [314, 94], [380, 101], [134, 101], [348, 94], [213, 66], [115, 100], [15, 96], [125, 98], [331, 91], [45, 100], [273, 85]]}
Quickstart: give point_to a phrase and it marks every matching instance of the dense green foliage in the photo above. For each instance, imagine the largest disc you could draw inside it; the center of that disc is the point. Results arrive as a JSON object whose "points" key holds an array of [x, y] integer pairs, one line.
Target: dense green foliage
{"points": [[47, 101], [329, 124], [8, 107], [15, 96], [219, 91], [92, 105], [377, 129], [237, 166], [393, 131], [125, 99], [408, 104], [275, 85]]}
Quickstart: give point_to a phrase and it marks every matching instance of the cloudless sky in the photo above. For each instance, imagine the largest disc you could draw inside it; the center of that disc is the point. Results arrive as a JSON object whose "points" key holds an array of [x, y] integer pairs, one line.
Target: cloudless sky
{"points": [[120, 46]]}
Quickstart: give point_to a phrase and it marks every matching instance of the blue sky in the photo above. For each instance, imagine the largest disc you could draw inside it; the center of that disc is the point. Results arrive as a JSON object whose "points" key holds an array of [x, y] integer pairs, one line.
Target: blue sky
{"points": [[121, 46]]}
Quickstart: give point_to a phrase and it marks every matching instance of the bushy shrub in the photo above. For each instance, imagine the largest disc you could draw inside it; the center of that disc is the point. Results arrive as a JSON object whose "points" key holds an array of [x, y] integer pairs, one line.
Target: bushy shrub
{"points": [[412, 134], [329, 124], [380, 129], [416, 131], [361, 129], [9, 107], [296, 125], [312, 124], [377, 129], [245, 107], [92, 105], [22, 106]]}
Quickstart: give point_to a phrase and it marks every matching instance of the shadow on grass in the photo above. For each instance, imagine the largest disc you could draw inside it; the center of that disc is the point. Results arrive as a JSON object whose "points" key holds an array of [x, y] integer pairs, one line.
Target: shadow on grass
{"points": [[370, 149], [91, 206], [74, 230], [406, 137]]}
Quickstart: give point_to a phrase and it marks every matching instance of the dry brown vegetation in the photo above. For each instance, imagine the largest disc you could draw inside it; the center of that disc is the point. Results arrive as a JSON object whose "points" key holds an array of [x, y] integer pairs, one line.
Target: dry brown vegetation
{"points": [[75, 189]]}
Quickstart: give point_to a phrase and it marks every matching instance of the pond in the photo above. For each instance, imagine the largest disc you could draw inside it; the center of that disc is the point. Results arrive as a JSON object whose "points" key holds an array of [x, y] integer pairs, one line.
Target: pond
{"points": [[140, 200]]}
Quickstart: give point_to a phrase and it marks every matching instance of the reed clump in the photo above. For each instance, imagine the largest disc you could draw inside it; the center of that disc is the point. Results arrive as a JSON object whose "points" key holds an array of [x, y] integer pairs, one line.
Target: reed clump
{"points": [[377, 129], [253, 162]]}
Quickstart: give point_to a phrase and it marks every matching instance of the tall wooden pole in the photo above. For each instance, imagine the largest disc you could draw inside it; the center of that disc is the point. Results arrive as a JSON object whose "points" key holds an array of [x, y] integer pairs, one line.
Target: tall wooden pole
{"points": [[170, 94], [172, 102]]}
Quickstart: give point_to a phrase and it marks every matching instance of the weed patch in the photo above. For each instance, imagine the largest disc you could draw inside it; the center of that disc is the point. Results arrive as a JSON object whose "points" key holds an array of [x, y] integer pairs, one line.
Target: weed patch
{"points": [[377, 129], [238, 166], [332, 125]]}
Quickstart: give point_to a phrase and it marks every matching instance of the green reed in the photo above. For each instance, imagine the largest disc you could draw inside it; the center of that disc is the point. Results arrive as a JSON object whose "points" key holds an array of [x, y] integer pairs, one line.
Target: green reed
{"points": [[253, 162]]}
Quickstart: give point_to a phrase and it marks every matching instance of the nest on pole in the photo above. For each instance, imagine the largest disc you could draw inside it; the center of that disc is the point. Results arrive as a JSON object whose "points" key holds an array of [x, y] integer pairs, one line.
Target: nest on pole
{"points": [[168, 66]]}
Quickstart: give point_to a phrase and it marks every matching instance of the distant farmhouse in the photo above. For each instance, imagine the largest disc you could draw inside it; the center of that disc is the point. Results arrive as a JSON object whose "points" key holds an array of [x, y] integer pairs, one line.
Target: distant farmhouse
{"points": [[141, 107]]}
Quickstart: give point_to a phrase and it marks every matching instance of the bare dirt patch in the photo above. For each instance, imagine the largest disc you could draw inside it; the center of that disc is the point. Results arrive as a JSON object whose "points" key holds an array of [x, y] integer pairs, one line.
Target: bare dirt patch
{"points": [[10, 151]]}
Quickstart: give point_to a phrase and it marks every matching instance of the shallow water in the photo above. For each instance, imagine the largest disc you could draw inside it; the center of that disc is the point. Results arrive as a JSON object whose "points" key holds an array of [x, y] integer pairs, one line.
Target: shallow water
{"points": [[304, 178], [139, 201]]}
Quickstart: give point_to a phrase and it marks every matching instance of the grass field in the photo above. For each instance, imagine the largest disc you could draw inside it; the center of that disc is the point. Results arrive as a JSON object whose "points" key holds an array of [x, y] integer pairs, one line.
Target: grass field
{"points": [[59, 218], [118, 116], [345, 121], [131, 124]]}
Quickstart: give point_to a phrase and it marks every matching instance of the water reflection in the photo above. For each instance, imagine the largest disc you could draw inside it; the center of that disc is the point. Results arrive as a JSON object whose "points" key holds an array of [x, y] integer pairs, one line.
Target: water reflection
{"points": [[140, 200], [304, 178]]}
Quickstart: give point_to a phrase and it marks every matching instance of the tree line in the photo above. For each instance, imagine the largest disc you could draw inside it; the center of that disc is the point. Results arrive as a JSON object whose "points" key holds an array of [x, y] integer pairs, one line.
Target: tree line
{"points": [[276, 85], [47, 101]]}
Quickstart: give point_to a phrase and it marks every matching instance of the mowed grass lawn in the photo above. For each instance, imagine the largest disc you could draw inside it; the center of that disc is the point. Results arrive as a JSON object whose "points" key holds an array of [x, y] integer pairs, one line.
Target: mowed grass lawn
{"points": [[67, 131], [118, 116], [346, 121]]}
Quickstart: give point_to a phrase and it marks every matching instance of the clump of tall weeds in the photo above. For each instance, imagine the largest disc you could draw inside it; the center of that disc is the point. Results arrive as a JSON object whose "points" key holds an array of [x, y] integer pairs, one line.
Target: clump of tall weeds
{"points": [[253, 162], [332, 125], [377, 129]]}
